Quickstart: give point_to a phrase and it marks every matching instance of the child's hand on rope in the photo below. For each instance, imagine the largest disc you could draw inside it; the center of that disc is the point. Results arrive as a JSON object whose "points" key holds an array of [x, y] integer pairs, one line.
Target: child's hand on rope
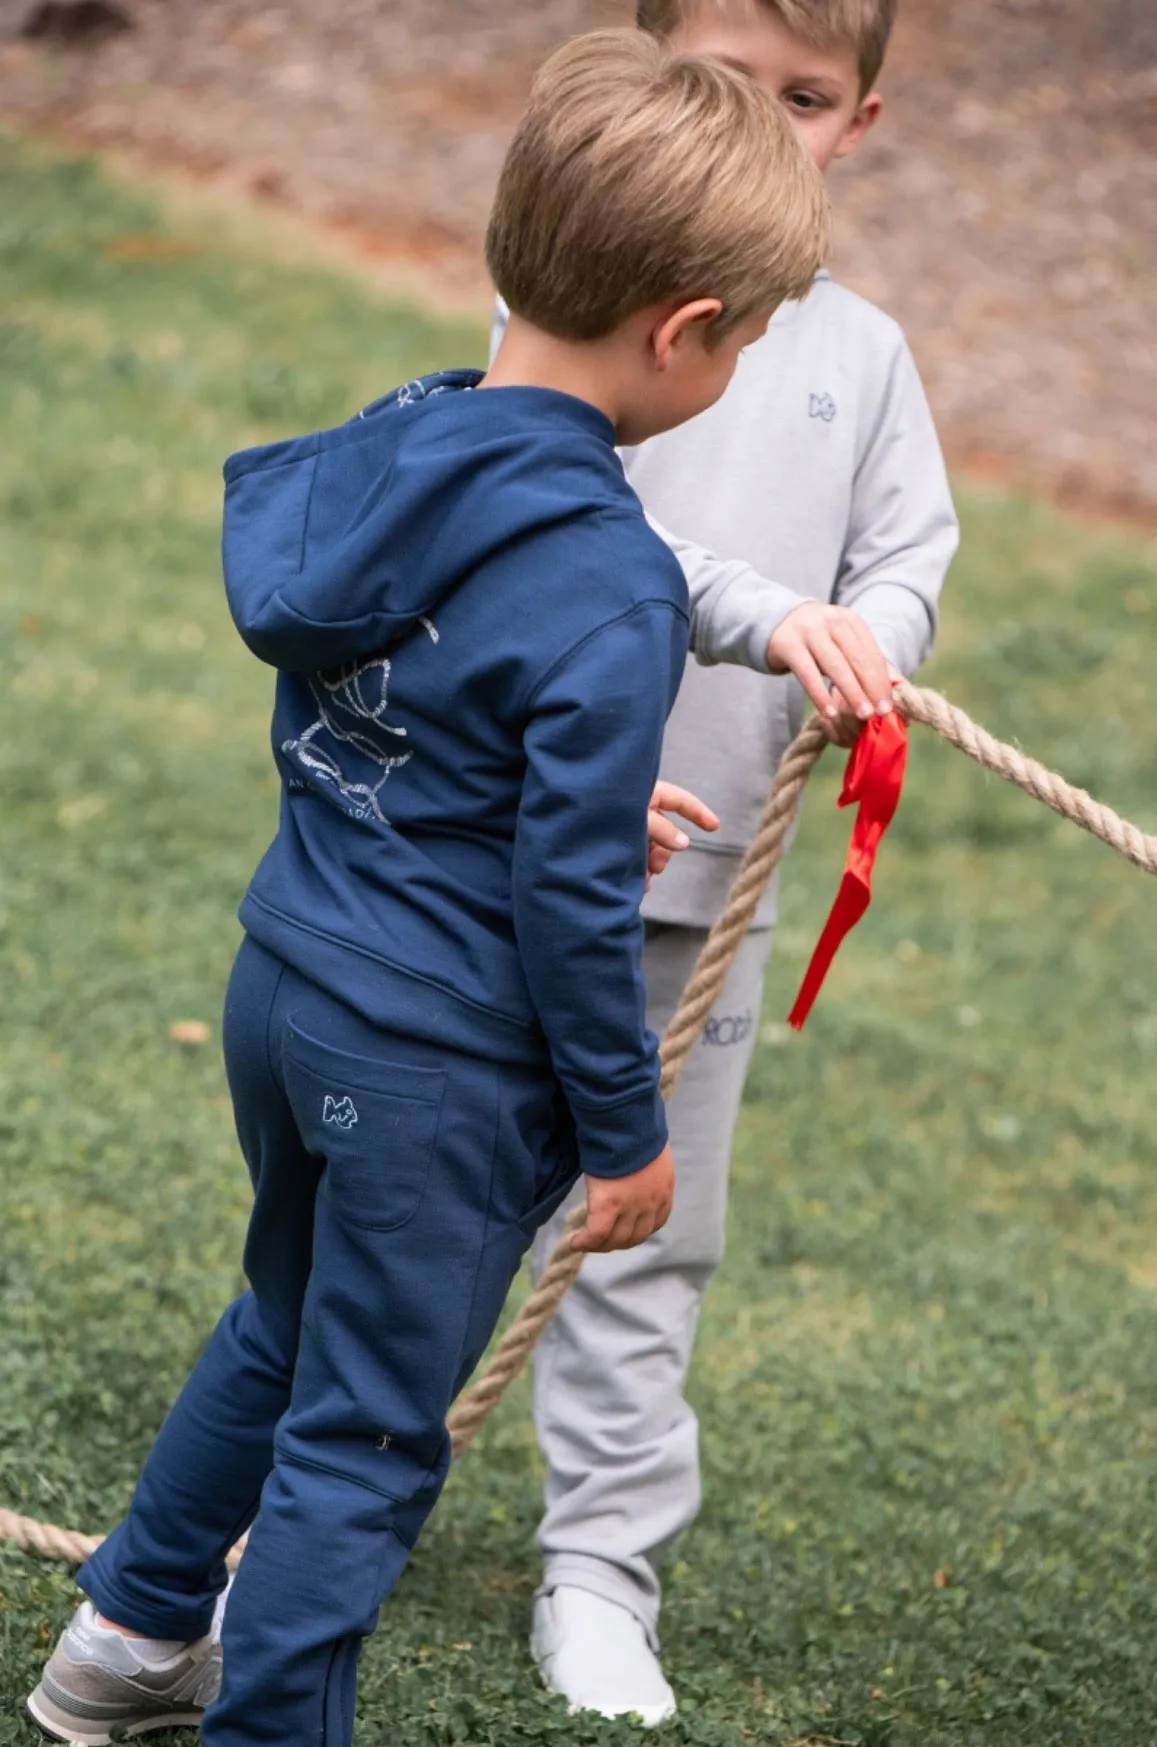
{"points": [[818, 642], [845, 728], [664, 837], [624, 1211]]}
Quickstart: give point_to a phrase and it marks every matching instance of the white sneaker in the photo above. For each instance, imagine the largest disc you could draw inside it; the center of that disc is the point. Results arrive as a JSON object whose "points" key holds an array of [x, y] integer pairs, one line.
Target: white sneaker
{"points": [[595, 1654]]}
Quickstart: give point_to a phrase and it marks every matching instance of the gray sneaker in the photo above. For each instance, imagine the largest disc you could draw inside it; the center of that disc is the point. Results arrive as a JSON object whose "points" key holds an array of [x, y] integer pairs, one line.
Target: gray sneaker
{"points": [[95, 1683]]}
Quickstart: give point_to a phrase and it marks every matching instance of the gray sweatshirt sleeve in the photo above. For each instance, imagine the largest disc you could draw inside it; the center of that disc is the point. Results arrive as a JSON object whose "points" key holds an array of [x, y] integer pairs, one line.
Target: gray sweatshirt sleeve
{"points": [[734, 609], [902, 535], [902, 529]]}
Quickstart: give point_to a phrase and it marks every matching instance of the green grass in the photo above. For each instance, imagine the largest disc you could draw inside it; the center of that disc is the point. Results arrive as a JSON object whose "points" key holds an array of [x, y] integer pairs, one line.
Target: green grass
{"points": [[934, 1345]]}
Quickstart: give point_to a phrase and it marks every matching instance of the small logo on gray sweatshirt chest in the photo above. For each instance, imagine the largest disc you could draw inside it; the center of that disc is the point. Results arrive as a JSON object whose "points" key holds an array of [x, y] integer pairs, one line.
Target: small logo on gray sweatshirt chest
{"points": [[821, 406]]}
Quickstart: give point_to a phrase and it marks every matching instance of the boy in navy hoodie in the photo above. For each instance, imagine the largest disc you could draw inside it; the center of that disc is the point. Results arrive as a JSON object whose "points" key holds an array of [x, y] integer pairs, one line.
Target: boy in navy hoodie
{"points": [[436, 1020]]}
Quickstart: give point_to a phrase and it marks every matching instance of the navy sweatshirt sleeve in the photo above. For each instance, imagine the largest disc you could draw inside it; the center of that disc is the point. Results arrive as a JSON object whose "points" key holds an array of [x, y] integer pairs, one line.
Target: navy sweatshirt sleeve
{"points": [[592, 747]]}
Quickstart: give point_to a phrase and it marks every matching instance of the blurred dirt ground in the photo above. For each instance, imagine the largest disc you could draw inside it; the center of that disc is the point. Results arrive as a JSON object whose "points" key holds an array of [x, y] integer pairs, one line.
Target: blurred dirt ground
{"points": [[1005, 211]]}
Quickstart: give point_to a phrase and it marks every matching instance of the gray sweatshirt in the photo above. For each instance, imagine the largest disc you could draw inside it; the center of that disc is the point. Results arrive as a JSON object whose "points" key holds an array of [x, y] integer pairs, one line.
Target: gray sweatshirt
{"points": [[820, 468]]}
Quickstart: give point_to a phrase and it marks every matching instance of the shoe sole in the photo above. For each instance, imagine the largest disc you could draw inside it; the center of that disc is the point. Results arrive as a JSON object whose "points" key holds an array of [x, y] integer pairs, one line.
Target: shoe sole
{"points": [[62, 1727]]}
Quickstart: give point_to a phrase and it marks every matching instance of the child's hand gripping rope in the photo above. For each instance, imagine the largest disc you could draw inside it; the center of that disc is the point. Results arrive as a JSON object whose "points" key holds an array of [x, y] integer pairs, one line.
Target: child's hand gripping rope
{"points": [[625, 1211], [817, 643]]}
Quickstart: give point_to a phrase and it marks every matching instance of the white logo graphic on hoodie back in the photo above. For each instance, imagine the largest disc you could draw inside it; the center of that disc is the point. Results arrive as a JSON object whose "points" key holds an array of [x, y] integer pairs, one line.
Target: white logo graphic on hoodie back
{"points": [[352, 703]]}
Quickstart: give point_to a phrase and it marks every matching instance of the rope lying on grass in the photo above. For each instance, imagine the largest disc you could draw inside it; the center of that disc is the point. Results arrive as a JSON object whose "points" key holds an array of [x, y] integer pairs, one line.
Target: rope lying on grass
{"points": [[696, 1002]]}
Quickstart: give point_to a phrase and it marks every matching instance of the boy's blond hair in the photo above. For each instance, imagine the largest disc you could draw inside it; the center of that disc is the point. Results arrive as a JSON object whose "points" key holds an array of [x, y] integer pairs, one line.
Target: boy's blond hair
{"points": [[863, 25], [639, 176]]}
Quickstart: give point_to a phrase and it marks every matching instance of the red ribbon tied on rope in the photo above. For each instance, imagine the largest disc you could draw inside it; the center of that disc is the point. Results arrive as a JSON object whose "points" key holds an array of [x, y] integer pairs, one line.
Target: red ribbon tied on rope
{"points": [[874, 778]]}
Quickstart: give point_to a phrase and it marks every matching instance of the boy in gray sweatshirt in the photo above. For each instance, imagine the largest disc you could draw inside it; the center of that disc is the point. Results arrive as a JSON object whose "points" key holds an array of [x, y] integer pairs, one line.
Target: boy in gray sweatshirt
{"points": [[820, 469]]}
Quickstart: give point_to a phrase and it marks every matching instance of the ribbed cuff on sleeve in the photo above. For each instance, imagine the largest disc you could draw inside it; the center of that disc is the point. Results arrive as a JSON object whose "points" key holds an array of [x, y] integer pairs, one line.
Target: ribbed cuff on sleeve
{"points": [[616, 1140]]}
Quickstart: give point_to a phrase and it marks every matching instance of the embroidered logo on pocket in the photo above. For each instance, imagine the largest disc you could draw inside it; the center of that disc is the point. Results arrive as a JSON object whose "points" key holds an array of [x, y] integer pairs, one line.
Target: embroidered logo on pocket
{"points": [[340, 1112]]}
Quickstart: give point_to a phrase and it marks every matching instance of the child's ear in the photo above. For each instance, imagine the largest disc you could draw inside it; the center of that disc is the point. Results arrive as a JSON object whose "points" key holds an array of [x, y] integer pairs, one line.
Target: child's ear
{"points": [[689, 320], [862, 122]]}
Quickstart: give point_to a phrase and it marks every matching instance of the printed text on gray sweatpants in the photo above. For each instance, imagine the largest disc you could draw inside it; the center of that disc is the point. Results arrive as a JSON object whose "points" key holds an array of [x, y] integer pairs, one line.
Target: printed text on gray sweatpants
{"points": [[620, 1443]]}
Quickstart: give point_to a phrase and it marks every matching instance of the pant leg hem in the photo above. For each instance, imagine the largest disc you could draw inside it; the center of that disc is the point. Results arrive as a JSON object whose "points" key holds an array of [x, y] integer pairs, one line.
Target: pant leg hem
{"points": [[600, 1577], [184, 1623]]}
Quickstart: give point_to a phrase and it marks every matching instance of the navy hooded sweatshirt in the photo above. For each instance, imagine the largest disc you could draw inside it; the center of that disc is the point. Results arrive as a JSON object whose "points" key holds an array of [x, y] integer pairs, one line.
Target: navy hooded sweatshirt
{"points": [[479, 639]]}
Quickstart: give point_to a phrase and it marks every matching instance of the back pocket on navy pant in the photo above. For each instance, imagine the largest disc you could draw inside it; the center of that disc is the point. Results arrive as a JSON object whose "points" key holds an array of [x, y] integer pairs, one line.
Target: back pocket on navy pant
{"points": [[373, 1122]]}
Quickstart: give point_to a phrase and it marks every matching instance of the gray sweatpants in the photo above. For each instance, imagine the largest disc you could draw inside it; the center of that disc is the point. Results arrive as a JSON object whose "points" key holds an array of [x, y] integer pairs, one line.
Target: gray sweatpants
{"points": [[620, 1443]]}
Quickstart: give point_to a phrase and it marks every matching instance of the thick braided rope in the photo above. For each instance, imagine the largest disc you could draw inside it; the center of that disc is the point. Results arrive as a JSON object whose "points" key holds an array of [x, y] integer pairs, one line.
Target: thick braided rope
{"points": [[715, 960], [48, 1541], [702, 991], [929, 708], [917, 705], [45, 1539]]}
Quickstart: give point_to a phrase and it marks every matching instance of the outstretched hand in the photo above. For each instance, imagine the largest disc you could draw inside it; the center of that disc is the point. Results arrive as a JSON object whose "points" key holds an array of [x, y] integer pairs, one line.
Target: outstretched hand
{"points": [[665, 838], [818, 642]]}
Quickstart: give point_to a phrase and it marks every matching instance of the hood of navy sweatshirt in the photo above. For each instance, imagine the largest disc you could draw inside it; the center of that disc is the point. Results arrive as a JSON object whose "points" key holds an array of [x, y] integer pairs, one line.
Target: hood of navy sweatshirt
{"points": [[338, 544], [478, 639]]}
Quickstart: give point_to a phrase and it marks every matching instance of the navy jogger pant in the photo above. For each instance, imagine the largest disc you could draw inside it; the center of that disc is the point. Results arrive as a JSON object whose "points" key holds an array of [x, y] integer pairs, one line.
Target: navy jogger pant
{"points": [[396, 1187]]}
